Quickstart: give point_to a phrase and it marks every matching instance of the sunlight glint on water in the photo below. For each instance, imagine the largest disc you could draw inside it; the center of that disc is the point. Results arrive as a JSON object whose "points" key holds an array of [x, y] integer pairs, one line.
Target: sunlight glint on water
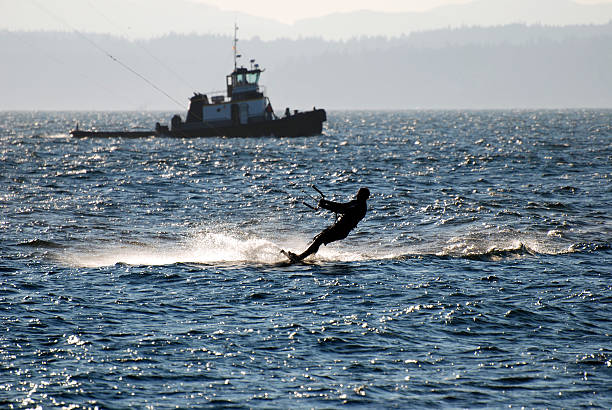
{"points": [[148, 272]]}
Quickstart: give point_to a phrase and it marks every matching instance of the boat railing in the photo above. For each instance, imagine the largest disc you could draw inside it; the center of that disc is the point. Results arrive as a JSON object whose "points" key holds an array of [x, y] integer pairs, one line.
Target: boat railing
{"points": [[215, 96]]}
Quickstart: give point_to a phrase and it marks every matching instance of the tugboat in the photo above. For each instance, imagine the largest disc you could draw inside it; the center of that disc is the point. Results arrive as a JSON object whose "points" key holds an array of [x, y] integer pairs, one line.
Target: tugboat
{"points": [[242, 111]]}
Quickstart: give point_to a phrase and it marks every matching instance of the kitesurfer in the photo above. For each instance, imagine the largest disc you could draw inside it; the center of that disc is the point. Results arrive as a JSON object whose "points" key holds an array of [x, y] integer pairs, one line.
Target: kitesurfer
{"points": [[350, 214]]}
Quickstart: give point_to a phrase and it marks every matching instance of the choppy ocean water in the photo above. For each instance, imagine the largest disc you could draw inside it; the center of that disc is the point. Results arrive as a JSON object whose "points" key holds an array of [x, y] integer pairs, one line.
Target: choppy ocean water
{"points": [[147, 273]]}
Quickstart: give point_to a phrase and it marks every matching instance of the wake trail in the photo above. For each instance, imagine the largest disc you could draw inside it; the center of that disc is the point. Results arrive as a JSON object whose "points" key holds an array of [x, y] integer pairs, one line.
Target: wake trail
{"points": [[221, 247], [207, 248]]}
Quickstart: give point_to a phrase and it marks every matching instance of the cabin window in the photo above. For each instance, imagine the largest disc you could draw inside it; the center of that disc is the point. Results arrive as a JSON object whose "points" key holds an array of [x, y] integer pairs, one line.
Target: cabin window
{"points": [[252, 78], [239, 78]]}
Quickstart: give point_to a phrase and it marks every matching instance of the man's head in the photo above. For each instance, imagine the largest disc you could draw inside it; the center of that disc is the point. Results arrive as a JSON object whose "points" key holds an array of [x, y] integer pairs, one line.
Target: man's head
{"points": [[363, 194]]}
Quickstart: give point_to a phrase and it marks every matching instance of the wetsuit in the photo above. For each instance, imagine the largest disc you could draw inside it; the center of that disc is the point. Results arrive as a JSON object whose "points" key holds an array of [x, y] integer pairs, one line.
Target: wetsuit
{"points": [[350, 214]]}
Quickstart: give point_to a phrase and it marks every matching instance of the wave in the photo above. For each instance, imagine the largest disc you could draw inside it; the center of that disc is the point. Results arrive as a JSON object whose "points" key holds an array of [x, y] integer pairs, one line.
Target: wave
{"points": [[206, 248], [229, 247], [38, 243], [489, 255], [506, 244], [590, 247], [492, 247], [495, 254]]}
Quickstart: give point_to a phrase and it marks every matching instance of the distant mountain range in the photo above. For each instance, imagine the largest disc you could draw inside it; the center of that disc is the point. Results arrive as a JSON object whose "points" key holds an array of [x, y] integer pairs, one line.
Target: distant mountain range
{"points": [[513, 66], [154, 18], [482, 13]]}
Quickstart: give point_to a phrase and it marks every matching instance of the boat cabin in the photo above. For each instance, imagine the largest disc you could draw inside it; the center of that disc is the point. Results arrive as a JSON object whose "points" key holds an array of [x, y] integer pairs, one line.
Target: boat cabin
{"points": [[243, 84], [243, 102]]}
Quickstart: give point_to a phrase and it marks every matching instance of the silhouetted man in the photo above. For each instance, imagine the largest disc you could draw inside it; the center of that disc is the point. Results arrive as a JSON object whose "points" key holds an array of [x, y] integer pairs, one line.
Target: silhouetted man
{"points": [[350, 214]]}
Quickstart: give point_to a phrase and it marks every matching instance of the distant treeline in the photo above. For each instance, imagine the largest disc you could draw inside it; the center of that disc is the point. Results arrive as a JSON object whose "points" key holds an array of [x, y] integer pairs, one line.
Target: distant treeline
{"points": [[513, 66]]}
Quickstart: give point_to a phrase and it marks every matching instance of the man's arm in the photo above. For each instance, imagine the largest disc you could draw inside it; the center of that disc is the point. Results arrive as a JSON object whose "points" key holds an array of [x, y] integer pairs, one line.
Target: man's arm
{"points": [[336, 207]]}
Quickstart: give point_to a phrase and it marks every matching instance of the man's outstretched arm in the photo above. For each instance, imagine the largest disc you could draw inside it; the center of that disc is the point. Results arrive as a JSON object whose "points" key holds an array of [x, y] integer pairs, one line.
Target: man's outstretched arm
{"points": [[336, 207]]}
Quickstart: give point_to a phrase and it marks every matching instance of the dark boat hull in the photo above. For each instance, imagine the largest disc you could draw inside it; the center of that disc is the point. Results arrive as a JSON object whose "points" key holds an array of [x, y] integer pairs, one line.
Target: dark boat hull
{"points": [[301, 124], [112, 134], [298, 125]]}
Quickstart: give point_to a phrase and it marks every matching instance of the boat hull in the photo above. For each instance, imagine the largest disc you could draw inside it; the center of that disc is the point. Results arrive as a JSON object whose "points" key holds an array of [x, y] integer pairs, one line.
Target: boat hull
{"points": [[301, 124], [113, 134]]}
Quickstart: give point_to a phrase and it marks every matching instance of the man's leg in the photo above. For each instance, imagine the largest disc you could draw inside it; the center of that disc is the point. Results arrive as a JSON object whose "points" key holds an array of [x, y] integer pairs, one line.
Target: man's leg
{"points": [[313, 248], [328, 235]]}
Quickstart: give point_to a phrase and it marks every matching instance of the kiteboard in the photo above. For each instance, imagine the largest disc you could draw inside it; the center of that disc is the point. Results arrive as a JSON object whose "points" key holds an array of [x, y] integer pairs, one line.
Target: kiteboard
{"points": [[293, 258]]}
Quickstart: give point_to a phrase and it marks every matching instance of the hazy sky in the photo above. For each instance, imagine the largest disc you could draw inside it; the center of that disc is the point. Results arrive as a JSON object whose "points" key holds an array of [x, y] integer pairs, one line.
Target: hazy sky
{"points": [[154, 18], [288, 11]]}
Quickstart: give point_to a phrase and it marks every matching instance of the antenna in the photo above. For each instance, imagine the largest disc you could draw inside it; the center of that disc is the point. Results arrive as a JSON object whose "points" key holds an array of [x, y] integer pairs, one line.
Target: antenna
{"points": [[235, 45]]}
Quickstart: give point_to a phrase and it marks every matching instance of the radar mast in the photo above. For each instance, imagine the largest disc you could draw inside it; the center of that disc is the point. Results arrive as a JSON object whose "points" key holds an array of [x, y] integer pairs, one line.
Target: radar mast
{"points": [[236, 55]]}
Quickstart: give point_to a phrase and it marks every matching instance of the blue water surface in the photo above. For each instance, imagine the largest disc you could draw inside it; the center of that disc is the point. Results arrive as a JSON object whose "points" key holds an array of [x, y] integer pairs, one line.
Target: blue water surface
{"points": [[147, 272]]}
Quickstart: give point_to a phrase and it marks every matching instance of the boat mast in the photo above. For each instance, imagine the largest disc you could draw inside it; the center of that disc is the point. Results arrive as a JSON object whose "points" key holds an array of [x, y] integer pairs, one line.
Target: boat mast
{"points": [[236, 46]]}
